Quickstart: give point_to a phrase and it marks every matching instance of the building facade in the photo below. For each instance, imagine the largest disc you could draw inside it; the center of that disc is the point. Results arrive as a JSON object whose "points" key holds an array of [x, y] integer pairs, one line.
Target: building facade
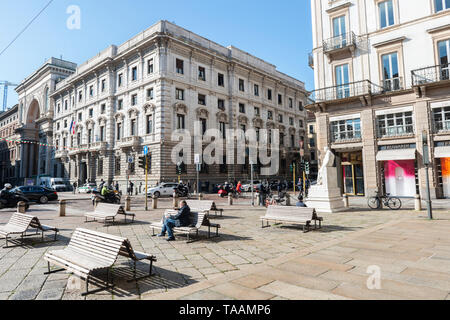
{"points": [[97, 117], [382, 88], [9, 146]]}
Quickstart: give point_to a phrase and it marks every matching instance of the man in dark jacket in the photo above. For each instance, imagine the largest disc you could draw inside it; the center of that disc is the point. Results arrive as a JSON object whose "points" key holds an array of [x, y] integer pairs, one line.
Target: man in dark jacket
{"points": [[181, 219]]}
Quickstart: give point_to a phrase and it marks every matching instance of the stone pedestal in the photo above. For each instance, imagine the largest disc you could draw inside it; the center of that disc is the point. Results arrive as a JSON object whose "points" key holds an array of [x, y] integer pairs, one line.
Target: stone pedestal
{"points": [[327, 197]]}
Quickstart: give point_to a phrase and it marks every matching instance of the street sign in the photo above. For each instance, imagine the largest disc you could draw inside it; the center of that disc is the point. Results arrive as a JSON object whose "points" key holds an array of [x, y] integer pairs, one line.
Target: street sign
{"points": [[145, 150], [197, 159], [130, 159]]}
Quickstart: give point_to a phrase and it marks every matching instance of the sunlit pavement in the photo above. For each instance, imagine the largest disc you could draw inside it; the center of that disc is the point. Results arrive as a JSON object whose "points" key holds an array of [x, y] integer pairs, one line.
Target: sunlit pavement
{"points": [[407, 255]]}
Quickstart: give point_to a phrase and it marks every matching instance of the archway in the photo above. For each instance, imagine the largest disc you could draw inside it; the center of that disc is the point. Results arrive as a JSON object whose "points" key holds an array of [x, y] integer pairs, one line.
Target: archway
{"points": [[33, 113], [30, 134]]}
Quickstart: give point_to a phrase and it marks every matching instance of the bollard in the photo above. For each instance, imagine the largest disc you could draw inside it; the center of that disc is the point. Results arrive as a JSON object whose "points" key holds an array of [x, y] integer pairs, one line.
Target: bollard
{"points": [[257, 199], [417, 203], [128, 203], [288, 199], [175, 200], [62, 208], [154, 202], [21, 207], [200, 196], [230, 200], [346, 204]]}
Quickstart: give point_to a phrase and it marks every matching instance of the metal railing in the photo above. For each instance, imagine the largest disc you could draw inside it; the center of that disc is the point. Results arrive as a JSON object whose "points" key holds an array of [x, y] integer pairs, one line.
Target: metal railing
{"points": [[441, 126], [339, 42], [344, 91], [393, 84], [396, 131], [348, 136], [431, 74]]}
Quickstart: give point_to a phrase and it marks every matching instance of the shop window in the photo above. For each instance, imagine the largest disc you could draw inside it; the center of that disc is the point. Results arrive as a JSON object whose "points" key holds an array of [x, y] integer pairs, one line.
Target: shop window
{"points": [[345, 130]]}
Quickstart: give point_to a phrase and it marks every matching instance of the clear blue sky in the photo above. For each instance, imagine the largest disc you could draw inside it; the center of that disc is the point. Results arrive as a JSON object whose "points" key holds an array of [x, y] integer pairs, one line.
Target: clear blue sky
{"points": [[276, 31]]}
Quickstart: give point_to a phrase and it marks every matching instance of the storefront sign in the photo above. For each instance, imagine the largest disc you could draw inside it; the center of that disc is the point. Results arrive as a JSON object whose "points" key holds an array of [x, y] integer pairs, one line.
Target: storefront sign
{"points": [[398, 146]]}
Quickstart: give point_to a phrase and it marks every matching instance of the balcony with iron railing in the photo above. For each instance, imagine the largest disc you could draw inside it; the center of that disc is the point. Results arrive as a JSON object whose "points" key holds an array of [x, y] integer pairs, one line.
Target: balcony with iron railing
{"points": [[393, 84], [396, 131], [97, 146], [346, 41], [430, 75], [129, 142], [441, 126], [345, 91], [349, 136]]}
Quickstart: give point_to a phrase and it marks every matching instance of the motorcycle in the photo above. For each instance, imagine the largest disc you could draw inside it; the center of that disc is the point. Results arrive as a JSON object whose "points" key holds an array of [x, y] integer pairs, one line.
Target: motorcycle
{"points": [[110, 197], [12, 200], [276, 199], [225, 191], [181, 191]]}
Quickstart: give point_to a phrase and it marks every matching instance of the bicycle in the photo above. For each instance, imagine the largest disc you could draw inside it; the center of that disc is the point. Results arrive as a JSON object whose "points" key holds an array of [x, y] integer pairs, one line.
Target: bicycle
{"points": [[392, 203]]}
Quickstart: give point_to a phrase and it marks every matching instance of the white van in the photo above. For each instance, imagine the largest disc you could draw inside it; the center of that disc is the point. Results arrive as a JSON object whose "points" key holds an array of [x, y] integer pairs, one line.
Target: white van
{"points": [[57, 184]]}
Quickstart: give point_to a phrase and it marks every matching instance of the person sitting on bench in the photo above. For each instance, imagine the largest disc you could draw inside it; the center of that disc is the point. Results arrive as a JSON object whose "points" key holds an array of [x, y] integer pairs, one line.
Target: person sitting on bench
{"points": [[181, 219], [300, 202]]}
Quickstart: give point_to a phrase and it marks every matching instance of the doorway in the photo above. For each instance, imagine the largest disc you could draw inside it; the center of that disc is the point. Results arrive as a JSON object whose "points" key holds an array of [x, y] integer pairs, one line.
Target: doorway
{"points": [[83, 172], [352, 173]]}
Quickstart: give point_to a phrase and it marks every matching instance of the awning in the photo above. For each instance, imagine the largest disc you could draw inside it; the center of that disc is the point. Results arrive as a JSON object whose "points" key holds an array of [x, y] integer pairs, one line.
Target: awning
{"points": [[442, 152], [396, 154]]}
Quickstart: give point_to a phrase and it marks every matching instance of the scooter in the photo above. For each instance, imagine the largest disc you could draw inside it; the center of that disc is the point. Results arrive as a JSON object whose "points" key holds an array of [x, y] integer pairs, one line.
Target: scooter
{"points": [[182, 191], [111, 197], [12, 200]]}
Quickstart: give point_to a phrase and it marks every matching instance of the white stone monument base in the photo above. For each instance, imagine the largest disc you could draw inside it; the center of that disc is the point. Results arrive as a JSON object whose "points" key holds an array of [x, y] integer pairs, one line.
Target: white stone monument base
{"points": [[327, 197]]}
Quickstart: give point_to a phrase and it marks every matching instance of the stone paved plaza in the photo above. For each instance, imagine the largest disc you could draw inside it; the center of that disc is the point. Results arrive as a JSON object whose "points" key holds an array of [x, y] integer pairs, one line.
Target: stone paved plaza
{"points": [[248, 262]]}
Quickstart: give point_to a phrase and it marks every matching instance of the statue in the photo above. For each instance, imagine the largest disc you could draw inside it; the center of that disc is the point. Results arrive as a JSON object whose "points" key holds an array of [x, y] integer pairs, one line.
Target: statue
{"points": [[328, 162]]}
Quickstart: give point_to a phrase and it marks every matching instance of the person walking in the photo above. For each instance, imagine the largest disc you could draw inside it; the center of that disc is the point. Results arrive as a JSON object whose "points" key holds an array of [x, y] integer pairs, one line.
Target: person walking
{"points": [[74, 187], [130, 190], [239, 188]]}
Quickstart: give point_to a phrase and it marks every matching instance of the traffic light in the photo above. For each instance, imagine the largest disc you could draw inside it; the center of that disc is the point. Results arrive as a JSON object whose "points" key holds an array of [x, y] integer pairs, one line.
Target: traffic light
{"points": [[149, 162], [302, 165], [307, 167], [179, 168], [142, 162]]}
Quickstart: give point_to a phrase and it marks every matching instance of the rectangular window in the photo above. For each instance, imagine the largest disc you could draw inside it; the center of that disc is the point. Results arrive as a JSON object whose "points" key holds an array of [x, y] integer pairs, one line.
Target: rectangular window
{"points": [[345, 130], [280, 99], [291, 103], [119, 131], [269, 94], [102, 133], [386, 11], [65, 105], [120, 80], [311, 129], [300, 123], [256, 90], [280, 118], [91, 91], [80, 117], [339, 32], [444, 53], [342, 80], [134, 99], [103, 108], [221, 104], [391, 79], [100, 167], [441, 118], [134, 74], [222, 128], [292, 141], [220, 80], [201, 74], [149, 128], [241, 108], [202, 99], [180, 66], [78, 138], [440, 5], [80, 96], [291, 121], [90, 136], [179, 94], [256, 109], [241, 85], [150, 94], [103, 85], [180, 121], [119, 104], [117, 166], [65, 123], [150, 66], [133, 131], [395, 124], [281, 139], [91, 113], [300, 106], [269, 115]]}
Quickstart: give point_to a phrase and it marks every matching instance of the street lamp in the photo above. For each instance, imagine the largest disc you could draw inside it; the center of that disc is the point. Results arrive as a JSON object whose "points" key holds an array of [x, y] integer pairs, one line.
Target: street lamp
{"points": [[426, 163]]}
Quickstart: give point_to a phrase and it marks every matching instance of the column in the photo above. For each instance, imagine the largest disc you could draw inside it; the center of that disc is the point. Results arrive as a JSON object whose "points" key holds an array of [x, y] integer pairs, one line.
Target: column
{"points": [[48, 162], [372, 179], [31, 155]]}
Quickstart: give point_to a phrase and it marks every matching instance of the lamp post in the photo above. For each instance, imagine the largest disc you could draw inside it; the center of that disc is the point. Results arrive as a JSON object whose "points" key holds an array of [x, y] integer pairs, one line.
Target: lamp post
{"points": [[426, 163]]}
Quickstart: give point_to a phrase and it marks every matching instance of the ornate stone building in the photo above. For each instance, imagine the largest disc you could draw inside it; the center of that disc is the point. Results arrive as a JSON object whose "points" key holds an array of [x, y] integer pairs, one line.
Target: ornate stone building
{"points": [[100, 115], [9, 148]]}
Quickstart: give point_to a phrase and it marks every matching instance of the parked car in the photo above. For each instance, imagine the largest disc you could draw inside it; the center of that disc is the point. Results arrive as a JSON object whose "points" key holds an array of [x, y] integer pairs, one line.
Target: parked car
{"points": [[37, 194], [57, 184], [87, 188], [164, 189], [247, 186]]}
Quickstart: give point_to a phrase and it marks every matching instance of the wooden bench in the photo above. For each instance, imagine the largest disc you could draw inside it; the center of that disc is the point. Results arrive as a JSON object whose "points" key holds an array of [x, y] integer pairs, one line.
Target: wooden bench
{"points": [[198, 219], [204, 205], [107, 212], [292, 215], [21, 223], [89, 251]]}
